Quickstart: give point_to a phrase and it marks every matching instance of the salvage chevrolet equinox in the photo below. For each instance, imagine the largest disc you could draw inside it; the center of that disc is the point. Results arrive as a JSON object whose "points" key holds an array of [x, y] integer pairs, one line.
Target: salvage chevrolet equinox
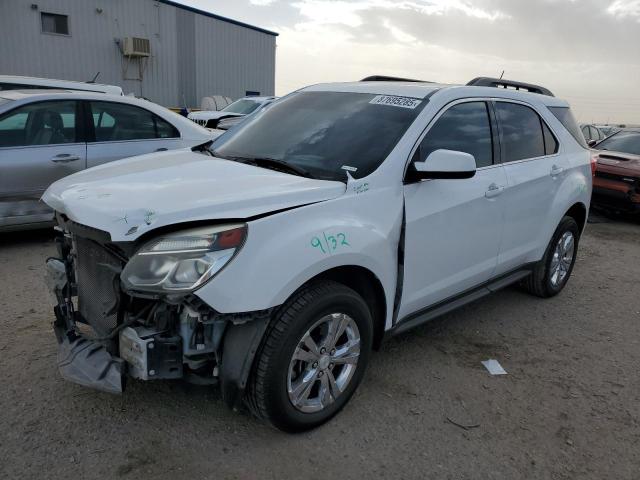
{"points": [[274, 260]]}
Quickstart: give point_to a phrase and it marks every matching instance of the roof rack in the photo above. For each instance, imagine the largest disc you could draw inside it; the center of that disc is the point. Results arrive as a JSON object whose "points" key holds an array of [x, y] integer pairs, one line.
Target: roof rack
{"points": [[384, 78], [501, 83]]}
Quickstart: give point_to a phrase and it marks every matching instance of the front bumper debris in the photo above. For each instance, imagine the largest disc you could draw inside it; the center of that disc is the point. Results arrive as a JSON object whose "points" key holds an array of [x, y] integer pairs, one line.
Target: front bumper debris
{"points": [[80, 360], [89, 364], [106, 334]]}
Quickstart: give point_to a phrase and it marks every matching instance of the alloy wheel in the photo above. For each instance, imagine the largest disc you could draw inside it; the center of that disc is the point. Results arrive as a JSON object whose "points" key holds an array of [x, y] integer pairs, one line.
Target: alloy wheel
{"points": [[323, 363], [562, 258]]}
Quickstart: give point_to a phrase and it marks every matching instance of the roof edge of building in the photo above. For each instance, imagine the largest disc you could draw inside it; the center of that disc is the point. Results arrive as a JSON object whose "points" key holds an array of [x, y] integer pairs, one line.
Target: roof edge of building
{"points": [[217, 17]]}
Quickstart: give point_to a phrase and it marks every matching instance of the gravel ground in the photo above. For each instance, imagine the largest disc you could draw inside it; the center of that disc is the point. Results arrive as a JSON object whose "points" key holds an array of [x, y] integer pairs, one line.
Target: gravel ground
{"points": [[427, 408]]}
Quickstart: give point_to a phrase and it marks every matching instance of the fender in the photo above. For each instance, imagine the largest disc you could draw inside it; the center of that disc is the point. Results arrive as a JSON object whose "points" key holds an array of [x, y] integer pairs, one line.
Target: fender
{"points": [[576, 188], [285, 250]]}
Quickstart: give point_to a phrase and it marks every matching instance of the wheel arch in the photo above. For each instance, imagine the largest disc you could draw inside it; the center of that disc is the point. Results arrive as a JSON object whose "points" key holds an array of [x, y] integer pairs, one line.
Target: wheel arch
{"points": [[578, 212], [368, 286]]}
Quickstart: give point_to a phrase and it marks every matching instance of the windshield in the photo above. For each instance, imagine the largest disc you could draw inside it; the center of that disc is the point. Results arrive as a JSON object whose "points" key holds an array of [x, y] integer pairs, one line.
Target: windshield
{"points": [[242, 106], [322, 132], [625, 141]]}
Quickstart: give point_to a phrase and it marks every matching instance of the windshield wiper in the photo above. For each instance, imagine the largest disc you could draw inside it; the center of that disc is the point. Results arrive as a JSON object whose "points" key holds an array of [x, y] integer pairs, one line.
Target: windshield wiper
{"points": [[266, 162], [281, 164]]}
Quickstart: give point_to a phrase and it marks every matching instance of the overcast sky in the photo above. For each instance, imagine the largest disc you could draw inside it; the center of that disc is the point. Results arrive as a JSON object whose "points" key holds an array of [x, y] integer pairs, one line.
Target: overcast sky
{"points": [[586, 51]]}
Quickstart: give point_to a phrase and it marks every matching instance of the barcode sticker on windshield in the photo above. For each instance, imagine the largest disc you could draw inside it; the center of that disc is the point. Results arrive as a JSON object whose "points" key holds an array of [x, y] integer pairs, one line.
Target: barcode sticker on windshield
{"points": [[393, 101]]}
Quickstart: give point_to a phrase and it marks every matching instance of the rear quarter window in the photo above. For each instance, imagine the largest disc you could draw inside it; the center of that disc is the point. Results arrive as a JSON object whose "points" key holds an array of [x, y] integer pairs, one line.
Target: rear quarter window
{"points": [[566, 118]]}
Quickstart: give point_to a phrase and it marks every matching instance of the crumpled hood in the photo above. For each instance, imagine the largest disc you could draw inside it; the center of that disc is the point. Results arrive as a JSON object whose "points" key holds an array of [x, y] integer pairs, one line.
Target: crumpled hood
{"points": [[130, 197]]}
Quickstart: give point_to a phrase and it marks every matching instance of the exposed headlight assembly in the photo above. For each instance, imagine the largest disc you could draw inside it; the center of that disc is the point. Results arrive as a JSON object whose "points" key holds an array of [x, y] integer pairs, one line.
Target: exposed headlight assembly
{"points": [[183, 261]]}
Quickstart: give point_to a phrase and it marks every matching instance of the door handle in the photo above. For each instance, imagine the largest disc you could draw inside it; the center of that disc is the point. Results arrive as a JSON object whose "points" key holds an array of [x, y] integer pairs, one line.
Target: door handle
{"points": [[494, 190], [556, 170], [65, 158], [163, 149]]}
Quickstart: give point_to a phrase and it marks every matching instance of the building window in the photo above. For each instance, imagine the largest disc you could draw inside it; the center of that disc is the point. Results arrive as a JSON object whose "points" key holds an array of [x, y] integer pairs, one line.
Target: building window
{"points": [[54, 23]]}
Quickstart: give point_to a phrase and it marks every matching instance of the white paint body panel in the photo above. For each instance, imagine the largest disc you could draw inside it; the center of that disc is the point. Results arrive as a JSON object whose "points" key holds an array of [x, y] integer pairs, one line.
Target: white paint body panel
{"points": [[455, 237], [156, 190]]}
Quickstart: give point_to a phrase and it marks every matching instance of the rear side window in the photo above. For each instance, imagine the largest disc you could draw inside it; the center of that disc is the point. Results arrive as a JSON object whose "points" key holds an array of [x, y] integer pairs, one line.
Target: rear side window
{"points": [[550, 142], [464, 128], [565, 116], [521, 132], [117, 122]]}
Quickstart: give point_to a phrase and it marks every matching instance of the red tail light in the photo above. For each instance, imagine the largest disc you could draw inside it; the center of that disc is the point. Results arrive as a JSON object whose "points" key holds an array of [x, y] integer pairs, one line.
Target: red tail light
{"points": [[594, 163]]}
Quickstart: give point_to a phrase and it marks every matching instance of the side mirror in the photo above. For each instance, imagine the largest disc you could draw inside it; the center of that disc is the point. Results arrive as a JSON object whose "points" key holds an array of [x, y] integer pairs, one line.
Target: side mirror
{"points": [[591, 143], [446, 164]]}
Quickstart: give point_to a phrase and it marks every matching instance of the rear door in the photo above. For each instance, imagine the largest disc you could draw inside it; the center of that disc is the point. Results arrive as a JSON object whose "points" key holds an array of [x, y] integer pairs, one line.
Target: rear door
{"points": [[534, 173], [40, 143], [121, 130], [453, 227]]}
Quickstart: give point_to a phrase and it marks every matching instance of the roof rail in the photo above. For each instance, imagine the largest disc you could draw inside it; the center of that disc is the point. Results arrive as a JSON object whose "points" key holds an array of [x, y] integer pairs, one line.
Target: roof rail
{"points": [[501, 83], [384, 78]]}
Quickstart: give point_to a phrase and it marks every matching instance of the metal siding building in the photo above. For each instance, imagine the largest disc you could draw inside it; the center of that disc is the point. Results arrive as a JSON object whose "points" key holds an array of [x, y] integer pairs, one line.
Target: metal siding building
{"points": [[193, 53]]}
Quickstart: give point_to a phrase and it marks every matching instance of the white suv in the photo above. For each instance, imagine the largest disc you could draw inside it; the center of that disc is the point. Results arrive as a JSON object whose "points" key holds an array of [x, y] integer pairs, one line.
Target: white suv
{"points": [[275, 260]]}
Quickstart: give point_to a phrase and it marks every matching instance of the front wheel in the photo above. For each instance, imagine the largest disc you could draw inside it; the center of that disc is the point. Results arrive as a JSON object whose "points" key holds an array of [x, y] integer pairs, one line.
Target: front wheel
{"points": [[551, 274], [313, 357]]}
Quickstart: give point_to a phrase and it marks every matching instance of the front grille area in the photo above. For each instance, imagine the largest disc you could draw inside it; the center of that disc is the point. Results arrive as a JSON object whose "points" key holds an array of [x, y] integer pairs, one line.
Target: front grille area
{"points": [[97, 278]]}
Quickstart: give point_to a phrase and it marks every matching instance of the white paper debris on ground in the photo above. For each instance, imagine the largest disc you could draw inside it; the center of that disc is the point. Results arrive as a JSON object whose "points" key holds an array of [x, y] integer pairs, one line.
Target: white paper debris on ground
{"points": [[494, 367]]}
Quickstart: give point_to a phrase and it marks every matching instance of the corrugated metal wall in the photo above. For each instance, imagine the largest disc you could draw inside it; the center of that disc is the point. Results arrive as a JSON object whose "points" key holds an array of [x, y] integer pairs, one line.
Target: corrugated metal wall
{"points": [[192, 55]]}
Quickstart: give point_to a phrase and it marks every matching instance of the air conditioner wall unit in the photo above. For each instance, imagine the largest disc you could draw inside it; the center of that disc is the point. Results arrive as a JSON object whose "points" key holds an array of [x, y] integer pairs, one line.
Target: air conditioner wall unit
{"points": [[136, 47]]}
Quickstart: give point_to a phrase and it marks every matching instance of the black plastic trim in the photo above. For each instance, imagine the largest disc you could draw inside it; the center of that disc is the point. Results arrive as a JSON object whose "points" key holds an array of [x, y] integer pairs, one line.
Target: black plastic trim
{"points": [[239, 348], [502, 83], [429, 313]]}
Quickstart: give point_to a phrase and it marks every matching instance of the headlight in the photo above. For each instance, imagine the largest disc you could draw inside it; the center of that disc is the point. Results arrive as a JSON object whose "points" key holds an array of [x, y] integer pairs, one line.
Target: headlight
{"points": [[183, 261], [227, 123]]}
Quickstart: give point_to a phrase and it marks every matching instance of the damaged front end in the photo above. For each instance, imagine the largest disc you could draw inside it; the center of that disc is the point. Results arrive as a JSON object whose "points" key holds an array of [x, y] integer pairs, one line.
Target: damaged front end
{"points": [[127, 310]]}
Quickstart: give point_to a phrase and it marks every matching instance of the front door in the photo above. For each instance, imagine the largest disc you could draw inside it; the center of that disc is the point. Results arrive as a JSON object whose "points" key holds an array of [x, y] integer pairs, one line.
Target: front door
{"points": [[453, 227], [39, 144]]}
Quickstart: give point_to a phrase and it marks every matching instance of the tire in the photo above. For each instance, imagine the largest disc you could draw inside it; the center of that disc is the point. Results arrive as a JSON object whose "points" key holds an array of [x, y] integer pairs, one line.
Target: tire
{"points": [[277, 376], [542, 282]]}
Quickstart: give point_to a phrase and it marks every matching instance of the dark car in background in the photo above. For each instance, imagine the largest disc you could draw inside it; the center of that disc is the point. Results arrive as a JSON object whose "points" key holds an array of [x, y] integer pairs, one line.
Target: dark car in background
{"points": [[616, 185]]}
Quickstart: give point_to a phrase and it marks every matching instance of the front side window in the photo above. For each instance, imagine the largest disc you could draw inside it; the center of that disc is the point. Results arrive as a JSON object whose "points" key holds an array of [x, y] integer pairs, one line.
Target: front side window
{"points": [[322, 132], [43, 123], [521, 132], [464, 128], [116, 122], [241, 107], [624, 141], [54, 23]]}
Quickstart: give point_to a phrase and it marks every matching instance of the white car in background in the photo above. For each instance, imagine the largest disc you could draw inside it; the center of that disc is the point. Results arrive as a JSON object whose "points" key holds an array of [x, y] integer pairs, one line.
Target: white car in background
{"points": [[15, 82], [241, 107], [48, 134]]}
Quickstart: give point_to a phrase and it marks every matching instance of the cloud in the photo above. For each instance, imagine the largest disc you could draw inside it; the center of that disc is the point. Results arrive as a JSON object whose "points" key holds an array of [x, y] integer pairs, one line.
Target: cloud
{"points": [[349, 12], [583, 50], [625, 8], [262, 3]]}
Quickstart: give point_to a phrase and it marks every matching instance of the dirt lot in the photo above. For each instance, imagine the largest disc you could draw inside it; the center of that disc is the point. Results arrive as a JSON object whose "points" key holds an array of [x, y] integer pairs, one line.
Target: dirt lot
{"points": [[569, 407]]}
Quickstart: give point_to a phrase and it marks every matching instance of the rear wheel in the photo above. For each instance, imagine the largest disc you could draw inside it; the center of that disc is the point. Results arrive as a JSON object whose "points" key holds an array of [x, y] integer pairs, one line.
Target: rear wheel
{"points": [[552, 273], [313, 357]]}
